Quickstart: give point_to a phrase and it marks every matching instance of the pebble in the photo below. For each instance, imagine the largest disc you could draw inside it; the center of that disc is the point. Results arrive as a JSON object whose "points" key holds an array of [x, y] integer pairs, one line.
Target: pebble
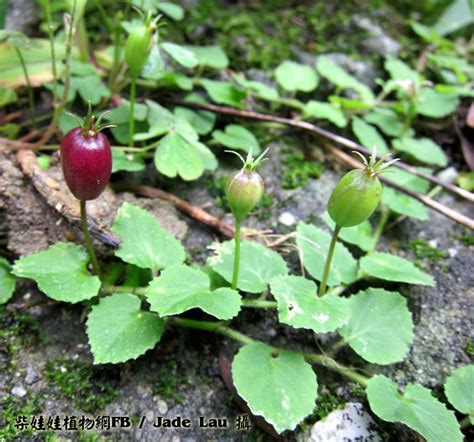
{"points": [[287, 219], [143, 390], [150, 416], [18, 391], [162, 407]]}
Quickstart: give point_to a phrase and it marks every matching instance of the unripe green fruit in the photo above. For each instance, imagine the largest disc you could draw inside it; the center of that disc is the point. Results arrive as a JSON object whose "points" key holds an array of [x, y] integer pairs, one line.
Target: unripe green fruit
{"points": [[138, 47], [244, 190], [355, 198]]}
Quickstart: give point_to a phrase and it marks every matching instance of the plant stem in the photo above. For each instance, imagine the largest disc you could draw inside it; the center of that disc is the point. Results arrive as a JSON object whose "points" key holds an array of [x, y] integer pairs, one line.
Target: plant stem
{"points": [[257, 303], [235, 276], [88, 239], [53, 52], [327, 266], [31, 100], [115, 63], [131, 120], [222, 329], [82, 40], [380, 226], [465, 423]]}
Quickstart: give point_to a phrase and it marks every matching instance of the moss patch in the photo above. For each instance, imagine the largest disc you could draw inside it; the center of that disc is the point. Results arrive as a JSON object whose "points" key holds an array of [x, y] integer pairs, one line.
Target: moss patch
{"points": [[167, 382], [90, 387], [424, 250], [298, 170]]}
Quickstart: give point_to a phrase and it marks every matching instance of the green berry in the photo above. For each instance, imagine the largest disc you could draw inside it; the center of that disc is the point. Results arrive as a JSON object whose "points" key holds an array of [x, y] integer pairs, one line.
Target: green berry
{"points": [[138, 47], [244, 191]]}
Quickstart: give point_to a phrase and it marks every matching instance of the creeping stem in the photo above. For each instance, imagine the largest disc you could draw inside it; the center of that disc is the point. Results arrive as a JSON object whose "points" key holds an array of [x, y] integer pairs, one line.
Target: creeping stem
{"points": [[88, 239], [31, 101], [53, 53], [235, 276], [327, 266], [131, 121]]}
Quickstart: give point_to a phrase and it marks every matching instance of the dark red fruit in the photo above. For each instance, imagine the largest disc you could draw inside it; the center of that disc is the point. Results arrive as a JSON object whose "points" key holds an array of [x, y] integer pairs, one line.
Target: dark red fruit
{"points": [[86, 159]]}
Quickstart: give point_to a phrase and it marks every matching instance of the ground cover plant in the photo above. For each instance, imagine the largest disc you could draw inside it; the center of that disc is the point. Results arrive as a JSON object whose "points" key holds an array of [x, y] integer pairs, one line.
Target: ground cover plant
{"points": [[137, 99]]}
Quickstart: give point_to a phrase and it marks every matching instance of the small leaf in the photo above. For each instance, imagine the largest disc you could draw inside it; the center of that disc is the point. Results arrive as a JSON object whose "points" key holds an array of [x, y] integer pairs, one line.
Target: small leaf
{"points": [[313, 244], [387, 121], [224, 93], [183, 288], [7, 96], [360, 235], [300, 306], [122, 161], [7, 281], [318, 109], [118, 330], [202, 121], [237, 137], [172, 10], [262, 89], [380, 327], [416, 408], [404, 204], [393, 268], [458, 14], [369, 136], [400, 71], [211, 56], [258, 264], [144, 242], [60, 273], [181, 54], [293, 76], [282, 388], [435, 104], [338, 76], [459, 389], [423, 149], [90, 88]]}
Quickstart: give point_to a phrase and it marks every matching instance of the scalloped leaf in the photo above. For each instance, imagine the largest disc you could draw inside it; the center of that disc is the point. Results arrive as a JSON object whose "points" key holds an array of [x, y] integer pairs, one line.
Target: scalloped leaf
{"points": [[459, 389], [183, 288], [119, 330], [380, 327], [144, 242], [237, 137], [313, 244], [7, 281], [394, 268], [369, 136], [423, 149], [319, 109], [293, 76], [300, 306], [282, 388], [60, 272], [258, 264], [416, 408]]}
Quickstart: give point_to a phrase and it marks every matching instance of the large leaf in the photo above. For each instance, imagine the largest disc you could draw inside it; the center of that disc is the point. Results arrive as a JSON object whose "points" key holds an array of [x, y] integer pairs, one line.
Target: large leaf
{"points": [[237, 137], [224, 93], [266, 92], [393, 268], [460, 13], [380, 327], [338, 76], [282, 388], [313, 244], [293, 76], [387, 121], [403, 204], [210, 56], [60, 272], [435, 104], [318, 109], [119, 330], [258, 264], [423, 149], [182, 288], [416, 408], [202, 121], [459, 389], [369, 136], [176, 12], [181, 54], [300, 306], [360, 235], [144, 242], [400, 71], [7, 281]]}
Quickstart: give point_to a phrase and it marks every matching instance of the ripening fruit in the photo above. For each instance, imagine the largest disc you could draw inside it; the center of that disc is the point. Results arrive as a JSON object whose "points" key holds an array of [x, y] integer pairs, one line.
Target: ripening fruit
{"points": [[244, 191], [355, 198], [358, 193], [138, 47], [86, 159]]}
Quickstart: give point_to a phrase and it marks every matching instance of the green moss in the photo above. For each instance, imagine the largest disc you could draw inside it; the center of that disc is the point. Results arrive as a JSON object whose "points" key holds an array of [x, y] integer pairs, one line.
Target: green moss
{"points": [[216, 187], [167, 381], [466, 238], [90, 387], [424, 250], [469, 348], [297, 170]]}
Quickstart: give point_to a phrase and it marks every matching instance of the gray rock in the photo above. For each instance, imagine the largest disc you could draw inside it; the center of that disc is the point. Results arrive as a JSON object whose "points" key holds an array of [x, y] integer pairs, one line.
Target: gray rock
{"points": [[21, 15], [379, 42]]}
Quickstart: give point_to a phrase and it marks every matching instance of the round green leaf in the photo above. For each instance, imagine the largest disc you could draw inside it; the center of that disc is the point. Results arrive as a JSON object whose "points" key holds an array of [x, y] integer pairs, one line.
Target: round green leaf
{"points": [[380, 327], [60, 272], [416, 408], [369, 136], [181, 54], [282, 388], [404, 204], [318, 109], [293, 76], [172, 10], [313, 244], [119, 330], [224, 93], [435, 104], [202, 121], [258, 265], [144, 242], [7, 281], [300, 306], [459, 389], [393, 268], [237, 137], [423, 149], [211, 56], [182, 288], [122, 161], [387, 121]]}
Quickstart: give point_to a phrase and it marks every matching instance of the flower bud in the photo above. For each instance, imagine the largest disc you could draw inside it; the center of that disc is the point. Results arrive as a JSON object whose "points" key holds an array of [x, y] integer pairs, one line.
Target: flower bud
{"points": [[138, 47]]}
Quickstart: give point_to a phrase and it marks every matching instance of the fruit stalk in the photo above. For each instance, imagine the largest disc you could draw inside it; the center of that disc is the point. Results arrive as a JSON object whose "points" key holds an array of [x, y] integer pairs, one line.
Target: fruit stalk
{"points": [[88, 239], [235, 276], [327, 265], [131, 120]]}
